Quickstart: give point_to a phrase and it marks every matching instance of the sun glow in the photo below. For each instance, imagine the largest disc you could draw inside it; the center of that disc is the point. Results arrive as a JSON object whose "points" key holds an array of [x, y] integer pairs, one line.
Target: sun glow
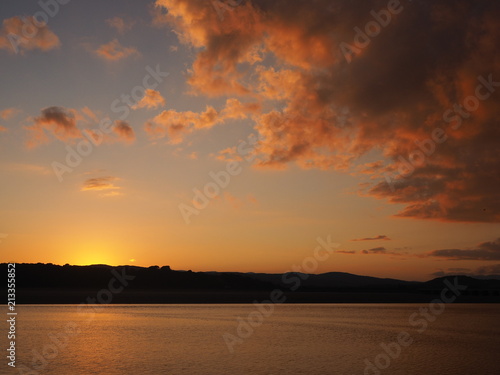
{"points": [[94, 254]]}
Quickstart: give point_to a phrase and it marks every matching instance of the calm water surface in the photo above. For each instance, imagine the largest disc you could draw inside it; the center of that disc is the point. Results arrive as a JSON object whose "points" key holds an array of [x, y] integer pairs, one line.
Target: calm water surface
{"points": [[295, 339]]}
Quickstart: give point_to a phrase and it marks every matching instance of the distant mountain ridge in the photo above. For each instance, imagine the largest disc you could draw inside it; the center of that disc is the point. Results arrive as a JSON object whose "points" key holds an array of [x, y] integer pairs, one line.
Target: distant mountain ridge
{"points": [[331, 280], [49, 283]]}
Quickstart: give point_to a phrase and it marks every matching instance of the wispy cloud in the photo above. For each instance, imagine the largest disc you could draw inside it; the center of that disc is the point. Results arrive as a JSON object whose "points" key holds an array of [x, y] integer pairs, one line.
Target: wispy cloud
{"points": [[382, 251], [379, 237], [483, 251], [102, 183], [8, 113], [114, 51], [375, 250]]}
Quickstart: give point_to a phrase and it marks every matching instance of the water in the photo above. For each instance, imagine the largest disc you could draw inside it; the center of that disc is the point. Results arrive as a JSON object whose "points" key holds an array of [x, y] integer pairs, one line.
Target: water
{"points": [[294, 339]]}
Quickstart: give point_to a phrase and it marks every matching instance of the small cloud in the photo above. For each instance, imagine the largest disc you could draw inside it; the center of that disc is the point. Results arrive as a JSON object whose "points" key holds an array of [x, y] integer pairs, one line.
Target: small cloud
{"points": [[151, 99], [2, 129], [483, 251], [13, 35], [193, 155], [375, 250], [9, 113], [382, 251], [124, 131], [119, 24], [100, 183], [379, 237], [173, 48], [59, 121], [346, 252], [114, 51]]}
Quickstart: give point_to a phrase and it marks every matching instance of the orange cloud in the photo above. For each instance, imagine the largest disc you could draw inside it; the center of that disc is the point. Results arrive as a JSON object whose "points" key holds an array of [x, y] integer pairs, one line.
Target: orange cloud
{"points": [[176, 124], [102, 183], [379, 237], [114, 51], [19, 34], [395, 95], [483, 251], [151, 99], [58, 121], [63, 124], [124, 131], [9, 113]]}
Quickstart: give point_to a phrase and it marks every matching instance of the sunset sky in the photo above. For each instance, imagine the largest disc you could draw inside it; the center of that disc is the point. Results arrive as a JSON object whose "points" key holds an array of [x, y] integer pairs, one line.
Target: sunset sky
{"points": [[386, 143]]}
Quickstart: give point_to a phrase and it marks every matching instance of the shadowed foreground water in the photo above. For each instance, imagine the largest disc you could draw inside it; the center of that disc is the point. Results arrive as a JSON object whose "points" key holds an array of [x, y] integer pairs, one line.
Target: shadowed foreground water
{"points": [[294, 339]]}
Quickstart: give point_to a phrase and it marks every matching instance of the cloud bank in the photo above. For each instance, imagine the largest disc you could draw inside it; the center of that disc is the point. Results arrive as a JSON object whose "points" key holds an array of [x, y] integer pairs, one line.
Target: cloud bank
{"points": [[416, 75]]}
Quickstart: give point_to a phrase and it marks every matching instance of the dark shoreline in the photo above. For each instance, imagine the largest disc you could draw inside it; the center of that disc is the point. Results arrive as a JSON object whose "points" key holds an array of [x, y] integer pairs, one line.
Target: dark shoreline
{"points": [[58, 296], [52, 284]]}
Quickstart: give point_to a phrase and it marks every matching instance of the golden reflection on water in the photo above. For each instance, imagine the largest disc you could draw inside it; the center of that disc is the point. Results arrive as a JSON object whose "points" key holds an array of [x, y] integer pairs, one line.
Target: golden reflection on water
{"points": [[296, 339]]}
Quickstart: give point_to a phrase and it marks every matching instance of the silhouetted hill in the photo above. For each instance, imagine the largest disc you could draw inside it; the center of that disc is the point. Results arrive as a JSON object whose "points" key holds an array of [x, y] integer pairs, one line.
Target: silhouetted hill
{"points": [[473, 286], [49, 283], [335, 280], [96, 276]]}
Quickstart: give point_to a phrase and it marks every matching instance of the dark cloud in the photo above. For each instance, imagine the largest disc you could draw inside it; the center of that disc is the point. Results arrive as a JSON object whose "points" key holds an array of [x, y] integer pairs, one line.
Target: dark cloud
{"points": [[124, 131], [392, 94], [58, 121], [100, 183], [382, 251], [484, 251], [66, 125], [375, 250], [106, 186], [379, 237]]}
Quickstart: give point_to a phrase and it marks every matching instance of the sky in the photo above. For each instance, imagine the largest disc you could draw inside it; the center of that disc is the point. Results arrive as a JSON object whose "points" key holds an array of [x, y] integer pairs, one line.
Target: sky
{"points": [[232, 135]]}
